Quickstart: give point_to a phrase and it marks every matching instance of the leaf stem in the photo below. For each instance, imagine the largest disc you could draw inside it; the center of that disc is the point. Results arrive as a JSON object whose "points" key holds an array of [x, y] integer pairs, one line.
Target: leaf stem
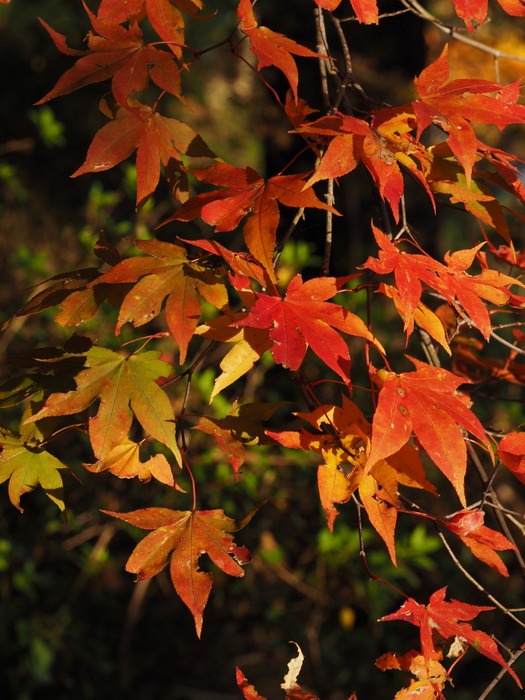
{"points": [[193, 484]]}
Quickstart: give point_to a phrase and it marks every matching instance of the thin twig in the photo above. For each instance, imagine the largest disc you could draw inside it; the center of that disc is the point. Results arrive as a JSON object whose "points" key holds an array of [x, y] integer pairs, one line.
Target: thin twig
{"points": [[454, 32], [322, 48], [476, 583], [507, 344], [329, 228], [514, 657]]}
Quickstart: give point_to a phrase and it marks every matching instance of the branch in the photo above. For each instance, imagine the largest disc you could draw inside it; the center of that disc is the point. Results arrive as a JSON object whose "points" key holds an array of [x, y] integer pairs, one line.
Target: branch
{"points": [[514, 657], [476, 583], [454, 32]]}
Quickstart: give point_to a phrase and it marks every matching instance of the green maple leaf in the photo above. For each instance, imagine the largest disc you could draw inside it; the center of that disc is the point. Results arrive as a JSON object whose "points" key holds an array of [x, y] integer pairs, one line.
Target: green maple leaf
{"points": [[27, 465], [126, 387]]}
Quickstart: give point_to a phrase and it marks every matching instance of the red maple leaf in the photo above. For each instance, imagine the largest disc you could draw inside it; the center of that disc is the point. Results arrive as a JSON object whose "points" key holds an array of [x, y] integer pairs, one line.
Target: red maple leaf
{"points": [[471, 10], [245, 193], [516, 8], [426, 402], [305, 319], [448, 619], [476, 10], [512, 454], [481, 540]]}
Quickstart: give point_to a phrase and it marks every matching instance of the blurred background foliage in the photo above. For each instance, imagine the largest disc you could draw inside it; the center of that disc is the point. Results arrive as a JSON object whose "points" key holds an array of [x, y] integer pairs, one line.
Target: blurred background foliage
{"points": [[72, 622]]}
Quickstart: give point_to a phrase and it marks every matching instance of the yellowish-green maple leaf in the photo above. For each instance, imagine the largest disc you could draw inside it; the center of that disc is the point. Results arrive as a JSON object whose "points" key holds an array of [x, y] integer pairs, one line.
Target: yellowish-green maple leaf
{"points": [[126, 387], [26, 466]]}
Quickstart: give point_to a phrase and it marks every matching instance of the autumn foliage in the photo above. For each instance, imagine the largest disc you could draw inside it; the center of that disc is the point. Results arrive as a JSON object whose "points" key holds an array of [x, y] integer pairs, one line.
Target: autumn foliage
{"points": [[398, 442]]}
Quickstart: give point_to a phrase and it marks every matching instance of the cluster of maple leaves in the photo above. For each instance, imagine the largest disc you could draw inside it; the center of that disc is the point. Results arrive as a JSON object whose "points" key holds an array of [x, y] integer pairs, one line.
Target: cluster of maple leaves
{"points": [[418, 414]]}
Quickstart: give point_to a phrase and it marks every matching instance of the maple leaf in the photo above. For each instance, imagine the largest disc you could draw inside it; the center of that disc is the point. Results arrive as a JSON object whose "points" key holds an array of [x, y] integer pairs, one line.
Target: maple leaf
{"points": [[431, 675], [366, 10], [516, 8], [165, 275], [329, 5], [383, 146], [448, 619], [249, 346], [305, 319], [481, 540], [242, 425], [167, 20], [247, 689], [467, 362], [71, 291], [119, 12], [476, 10], [156, 139], [272, 48], [242, 264], [422, 316], [445, 176], [55, 294], [344, 456], [124, 462], [379, 499], [27, 464], [427, 402], [164, 15], [126, 387], [454, 105], [117, 53], [512, 453], [463, 291], [471, 11], [181, 538], [508, 175], [245, 193]]}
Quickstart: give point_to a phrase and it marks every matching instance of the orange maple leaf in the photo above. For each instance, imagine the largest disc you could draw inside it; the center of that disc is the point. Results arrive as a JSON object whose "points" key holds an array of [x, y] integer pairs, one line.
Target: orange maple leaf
{"points": [[156, 139], [272, 48], [118, 53], [382, 146], [181, 538], [344, 453], [165, 277], [454, 105], [465, 292]]}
